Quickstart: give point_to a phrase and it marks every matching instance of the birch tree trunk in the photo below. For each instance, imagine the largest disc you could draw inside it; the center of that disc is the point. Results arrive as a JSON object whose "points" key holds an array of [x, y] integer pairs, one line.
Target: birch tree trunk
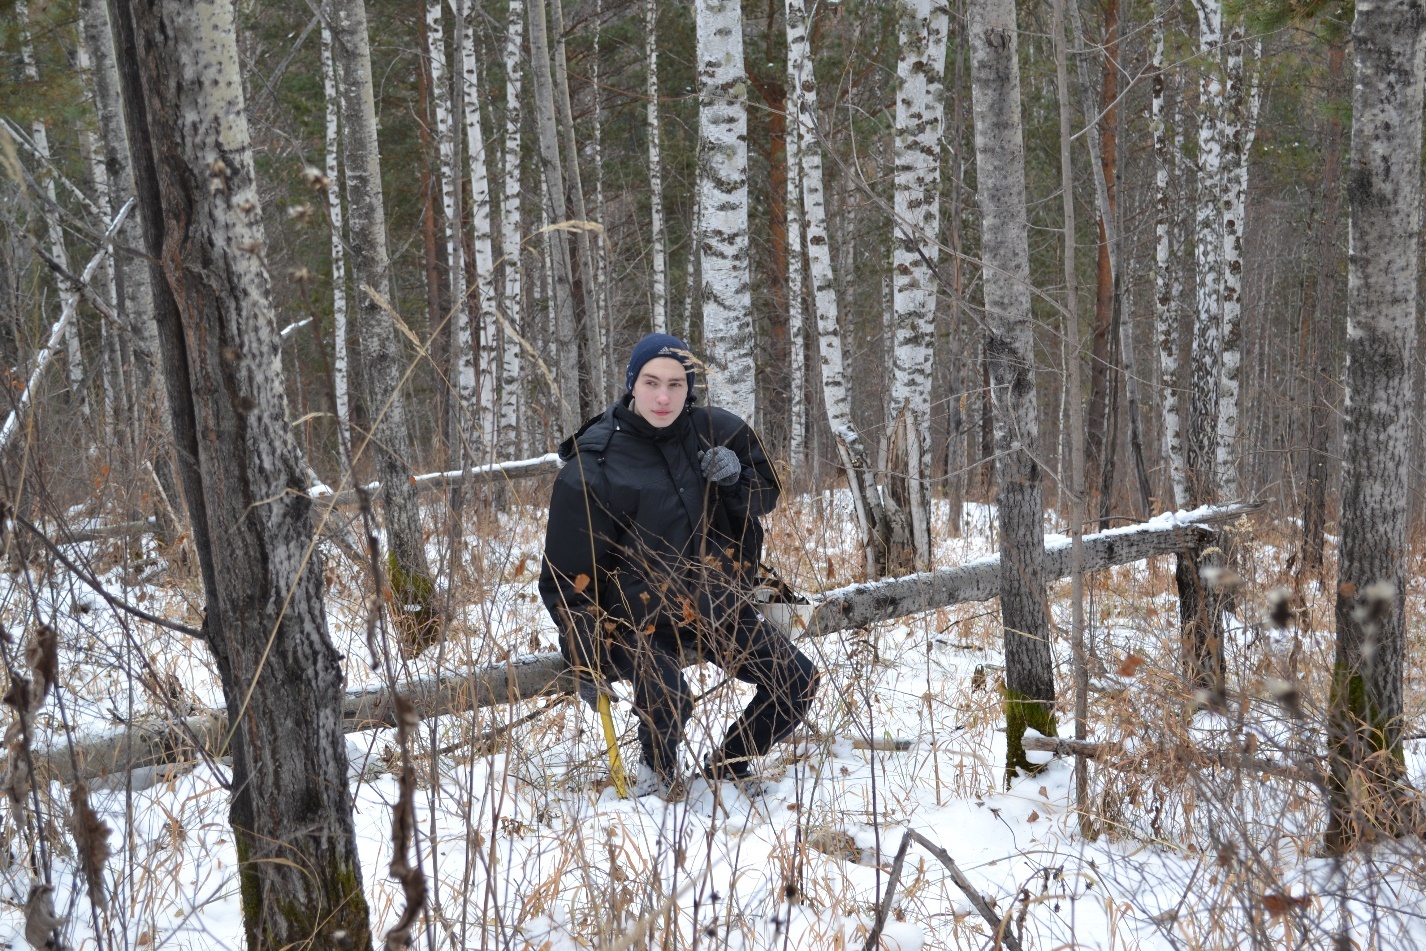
{"points": [[1367, 775], [1000, 164], [866, 499], [413, 593], [728, 336], [1073, 385], [566, 331], [1240, 117], [916, 252], [118, 413], [448, 150], [1201, 451], [658, 292], [484, 333], [796, 321], [54, 233], [1166, 304], [511, 245], [583, 272], [340, 385], [299, 870]]}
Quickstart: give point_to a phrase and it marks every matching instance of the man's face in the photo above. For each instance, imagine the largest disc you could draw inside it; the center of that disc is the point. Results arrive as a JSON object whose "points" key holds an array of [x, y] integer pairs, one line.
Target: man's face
{"points": [[660, 390]]}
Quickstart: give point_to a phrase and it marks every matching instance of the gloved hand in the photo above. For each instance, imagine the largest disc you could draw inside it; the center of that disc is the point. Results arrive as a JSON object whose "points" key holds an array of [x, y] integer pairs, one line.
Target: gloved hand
{"points": [[721, 465]]}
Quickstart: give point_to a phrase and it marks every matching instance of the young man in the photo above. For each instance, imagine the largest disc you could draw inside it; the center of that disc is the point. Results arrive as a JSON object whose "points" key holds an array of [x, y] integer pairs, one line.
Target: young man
{"points": [[651, 550]]}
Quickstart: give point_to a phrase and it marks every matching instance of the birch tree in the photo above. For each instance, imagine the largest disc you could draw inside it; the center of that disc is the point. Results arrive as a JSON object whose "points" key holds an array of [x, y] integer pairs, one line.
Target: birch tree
{"points": [[1000, 164], [1166, 304], [1367, 768], [723, 195], [584, 271], [149, 412], [448, 152], [565, 334], [113, 369], [658, 290], [802, 98], [54, 233], [1201, 449], [796, 321], [413, 591], [340, 386], [510, 238], [1239, 125], [480, 372], [299, 870], [919, 111]]}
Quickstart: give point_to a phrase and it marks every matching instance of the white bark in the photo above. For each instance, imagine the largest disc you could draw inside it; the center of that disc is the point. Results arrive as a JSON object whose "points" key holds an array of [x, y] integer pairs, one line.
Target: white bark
{"points": [[1235, 136], [510, 238], [484, 333], [596, 351], [802, 98], [448, 149], [919, 113], [57, 333], [1201, 453], [659, 282], [39, 139], [723, 193], [796, 331], [1166, 304], [116, 397], [561, 291], [340, 386], [382, 362]]}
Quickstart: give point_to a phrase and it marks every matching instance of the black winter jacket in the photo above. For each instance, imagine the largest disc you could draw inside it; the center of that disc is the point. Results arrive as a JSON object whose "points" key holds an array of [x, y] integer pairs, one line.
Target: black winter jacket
{"points": [[638, 539]]}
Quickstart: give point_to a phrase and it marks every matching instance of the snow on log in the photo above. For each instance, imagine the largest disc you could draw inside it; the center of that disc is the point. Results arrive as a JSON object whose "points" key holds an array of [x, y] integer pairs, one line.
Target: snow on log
{"points": [[475, 475], [428, 482], [533, 676]]}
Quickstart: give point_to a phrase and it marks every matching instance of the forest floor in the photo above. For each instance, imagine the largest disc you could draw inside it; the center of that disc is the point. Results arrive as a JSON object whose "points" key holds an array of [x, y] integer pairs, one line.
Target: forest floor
{"points": [[1199, 830]]}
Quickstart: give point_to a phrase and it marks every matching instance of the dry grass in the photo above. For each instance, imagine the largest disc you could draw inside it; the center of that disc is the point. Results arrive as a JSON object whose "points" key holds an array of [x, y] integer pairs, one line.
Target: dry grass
{"points": [[1208, 824]]}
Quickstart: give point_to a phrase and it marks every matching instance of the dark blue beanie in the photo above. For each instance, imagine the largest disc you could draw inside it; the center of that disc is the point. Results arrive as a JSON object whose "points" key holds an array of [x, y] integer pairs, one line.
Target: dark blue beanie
{"points": [[653, 346]]}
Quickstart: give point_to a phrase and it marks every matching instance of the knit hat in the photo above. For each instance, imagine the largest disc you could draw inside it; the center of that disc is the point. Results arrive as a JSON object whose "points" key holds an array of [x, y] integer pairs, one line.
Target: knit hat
{"points": [[653, 346]]}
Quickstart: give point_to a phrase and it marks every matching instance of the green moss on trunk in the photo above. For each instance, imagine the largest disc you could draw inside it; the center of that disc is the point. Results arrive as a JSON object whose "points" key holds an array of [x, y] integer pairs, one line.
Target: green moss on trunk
{"points": [[413, 606], [1021, 713], [339, 918]]}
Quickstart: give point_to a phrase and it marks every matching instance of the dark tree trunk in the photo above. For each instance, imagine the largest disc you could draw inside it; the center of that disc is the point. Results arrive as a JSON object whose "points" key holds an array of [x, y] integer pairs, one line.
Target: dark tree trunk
{"points": [[1367, 765], [1010, 356], [300, 874], [1318, 311]]}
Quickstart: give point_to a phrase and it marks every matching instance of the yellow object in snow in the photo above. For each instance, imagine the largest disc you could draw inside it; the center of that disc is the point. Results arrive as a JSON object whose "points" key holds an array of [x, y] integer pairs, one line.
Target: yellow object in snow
{"points": [[616, 762]]}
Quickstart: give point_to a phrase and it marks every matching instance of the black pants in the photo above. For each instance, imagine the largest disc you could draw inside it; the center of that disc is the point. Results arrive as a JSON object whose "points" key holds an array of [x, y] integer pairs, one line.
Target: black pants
{"points": [[747, 648]]}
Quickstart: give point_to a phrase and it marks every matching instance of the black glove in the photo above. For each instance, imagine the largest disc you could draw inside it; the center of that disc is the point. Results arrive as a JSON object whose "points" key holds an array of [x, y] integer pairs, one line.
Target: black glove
{"points": [[721, 465]]}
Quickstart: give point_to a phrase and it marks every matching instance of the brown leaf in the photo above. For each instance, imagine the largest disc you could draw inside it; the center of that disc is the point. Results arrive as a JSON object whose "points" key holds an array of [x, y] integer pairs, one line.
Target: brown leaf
{"points": [[42, 654], [91, 836], [1277, 904], [581, 581], [1130, 665], [689, 614], [1347, 590], [1032, 817]]}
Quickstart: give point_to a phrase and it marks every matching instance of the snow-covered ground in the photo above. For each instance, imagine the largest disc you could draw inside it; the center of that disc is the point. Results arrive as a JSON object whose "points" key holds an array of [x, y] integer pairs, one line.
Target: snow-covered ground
{"points": [[1204, 828]]}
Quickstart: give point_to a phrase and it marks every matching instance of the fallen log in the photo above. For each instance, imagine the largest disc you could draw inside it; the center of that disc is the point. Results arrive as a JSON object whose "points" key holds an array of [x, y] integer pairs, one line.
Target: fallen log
{"points": [[532, 676], [428, 482], [475, 475]]}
